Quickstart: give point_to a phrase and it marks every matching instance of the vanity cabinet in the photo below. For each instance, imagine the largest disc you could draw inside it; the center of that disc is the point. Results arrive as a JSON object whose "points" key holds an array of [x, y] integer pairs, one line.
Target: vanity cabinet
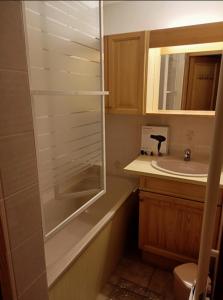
{"points": [[170, 220], [125, 72]]}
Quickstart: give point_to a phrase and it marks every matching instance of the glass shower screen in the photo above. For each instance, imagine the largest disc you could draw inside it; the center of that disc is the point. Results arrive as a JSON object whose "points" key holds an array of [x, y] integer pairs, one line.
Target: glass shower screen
{"points": [[64, 49]]}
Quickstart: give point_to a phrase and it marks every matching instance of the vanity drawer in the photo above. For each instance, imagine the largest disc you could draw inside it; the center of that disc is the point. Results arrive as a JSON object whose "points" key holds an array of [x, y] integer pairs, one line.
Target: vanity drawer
{"points": [[173, 188]]}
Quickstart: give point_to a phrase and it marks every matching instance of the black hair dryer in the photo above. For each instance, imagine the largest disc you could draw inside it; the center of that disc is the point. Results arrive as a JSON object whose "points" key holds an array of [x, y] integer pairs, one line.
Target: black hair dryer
{"points": [[159, 139]]}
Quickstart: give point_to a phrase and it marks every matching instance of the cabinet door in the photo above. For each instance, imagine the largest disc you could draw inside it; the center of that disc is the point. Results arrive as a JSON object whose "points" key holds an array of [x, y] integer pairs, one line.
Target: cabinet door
{"points": [[169, 226], [125, 69]]}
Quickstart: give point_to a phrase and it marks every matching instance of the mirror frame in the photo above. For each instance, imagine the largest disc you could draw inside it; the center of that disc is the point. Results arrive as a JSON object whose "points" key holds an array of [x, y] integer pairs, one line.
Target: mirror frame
{"points": [[195, 34]]}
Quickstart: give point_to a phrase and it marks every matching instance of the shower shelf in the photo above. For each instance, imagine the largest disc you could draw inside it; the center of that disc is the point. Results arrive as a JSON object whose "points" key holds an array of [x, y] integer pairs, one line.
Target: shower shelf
{"points": [[68, 93]]}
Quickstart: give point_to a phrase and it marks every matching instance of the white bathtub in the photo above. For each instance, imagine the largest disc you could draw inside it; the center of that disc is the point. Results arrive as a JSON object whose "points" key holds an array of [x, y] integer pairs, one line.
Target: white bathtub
{"points": [[66, 246]]}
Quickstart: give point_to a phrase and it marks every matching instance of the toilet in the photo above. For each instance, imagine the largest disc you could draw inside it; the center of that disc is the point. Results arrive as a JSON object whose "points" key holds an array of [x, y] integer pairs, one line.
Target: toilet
{"points": [[184, 277]]}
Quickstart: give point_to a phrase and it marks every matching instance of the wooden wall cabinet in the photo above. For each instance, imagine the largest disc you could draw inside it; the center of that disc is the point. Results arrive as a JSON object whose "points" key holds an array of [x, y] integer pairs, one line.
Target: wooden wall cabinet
{"points": [[170, 226], [125, 72], [127, 62]]}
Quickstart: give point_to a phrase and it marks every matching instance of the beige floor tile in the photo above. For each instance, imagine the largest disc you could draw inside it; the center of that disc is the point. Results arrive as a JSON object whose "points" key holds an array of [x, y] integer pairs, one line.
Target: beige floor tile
{"points": [[134, 280], [130, 286], [114, 278], [135, 271], [161, 282], [122, 294], [153, 296]]}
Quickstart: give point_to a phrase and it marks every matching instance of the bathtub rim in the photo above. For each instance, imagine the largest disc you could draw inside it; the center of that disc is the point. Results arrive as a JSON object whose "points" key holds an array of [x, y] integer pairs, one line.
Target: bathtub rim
{"points": [[56, 270]]}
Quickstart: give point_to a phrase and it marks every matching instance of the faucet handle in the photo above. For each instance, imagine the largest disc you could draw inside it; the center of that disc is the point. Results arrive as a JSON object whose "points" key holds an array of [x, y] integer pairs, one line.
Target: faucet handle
{"points": [[188, 150], [187, 154]]}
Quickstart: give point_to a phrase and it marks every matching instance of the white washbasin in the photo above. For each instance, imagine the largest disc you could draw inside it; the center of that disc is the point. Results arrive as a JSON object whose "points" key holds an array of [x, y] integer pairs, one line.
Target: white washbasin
{"points": [[181, 167]]}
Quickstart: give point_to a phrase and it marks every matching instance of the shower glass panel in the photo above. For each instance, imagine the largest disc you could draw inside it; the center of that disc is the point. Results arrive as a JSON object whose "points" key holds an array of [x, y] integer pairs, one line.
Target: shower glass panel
{"points": [[64, 45], [69, 139], [64, 48]]}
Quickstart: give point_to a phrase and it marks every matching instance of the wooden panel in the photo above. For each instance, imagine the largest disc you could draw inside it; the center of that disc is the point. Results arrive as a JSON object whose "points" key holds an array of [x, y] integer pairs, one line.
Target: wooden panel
{"points": [[127, 72], [171, 227], [173, 188], [205, 33], [168, 224], [159, 261], [169, 254]]}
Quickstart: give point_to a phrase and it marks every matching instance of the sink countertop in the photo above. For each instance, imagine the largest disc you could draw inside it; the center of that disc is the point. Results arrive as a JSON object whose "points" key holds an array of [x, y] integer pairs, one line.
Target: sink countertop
{"points": [[142, 166]]}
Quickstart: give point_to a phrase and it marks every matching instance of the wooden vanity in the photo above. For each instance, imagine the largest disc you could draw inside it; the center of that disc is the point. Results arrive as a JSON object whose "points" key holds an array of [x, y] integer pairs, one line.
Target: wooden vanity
{"points": [[170, 215], [170, 219]]}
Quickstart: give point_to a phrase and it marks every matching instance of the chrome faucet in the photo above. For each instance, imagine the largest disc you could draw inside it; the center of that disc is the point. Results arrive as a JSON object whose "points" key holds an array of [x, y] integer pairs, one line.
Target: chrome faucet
{"points": [[187, 154]]}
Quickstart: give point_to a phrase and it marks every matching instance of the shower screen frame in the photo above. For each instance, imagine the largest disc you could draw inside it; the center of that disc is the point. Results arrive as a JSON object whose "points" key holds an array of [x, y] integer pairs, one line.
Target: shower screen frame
{"points": [[72, 93]]}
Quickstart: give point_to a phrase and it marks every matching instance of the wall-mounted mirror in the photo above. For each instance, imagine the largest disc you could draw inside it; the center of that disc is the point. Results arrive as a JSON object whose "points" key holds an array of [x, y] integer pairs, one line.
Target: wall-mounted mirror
{"points": [[183, 77]]}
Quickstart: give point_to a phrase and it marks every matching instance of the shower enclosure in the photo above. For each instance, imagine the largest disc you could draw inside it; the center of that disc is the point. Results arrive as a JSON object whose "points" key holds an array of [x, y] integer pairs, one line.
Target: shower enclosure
{"points": [[64, 46]]}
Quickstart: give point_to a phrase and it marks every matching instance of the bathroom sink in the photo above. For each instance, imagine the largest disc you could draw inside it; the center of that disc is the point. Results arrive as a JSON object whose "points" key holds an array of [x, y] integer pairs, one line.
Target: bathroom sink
{"points": [[181, 167]]}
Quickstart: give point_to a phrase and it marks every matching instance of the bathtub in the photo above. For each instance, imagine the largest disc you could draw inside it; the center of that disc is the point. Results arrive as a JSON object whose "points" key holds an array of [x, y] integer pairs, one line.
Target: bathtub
{"points": [[90, 237]]}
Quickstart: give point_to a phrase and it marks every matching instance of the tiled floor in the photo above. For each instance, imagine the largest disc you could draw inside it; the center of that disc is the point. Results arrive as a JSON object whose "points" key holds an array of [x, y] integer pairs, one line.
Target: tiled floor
{"points": [[135, 280]]}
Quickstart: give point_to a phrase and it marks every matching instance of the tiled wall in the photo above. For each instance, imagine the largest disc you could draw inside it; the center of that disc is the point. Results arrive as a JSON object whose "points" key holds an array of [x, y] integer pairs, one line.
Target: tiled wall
{"points": [[20, 203], [123, 137]]}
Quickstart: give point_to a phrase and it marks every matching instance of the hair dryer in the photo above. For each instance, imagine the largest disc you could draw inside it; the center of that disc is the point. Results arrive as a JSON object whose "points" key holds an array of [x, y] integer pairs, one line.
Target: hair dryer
{"points": [[160, 139]]}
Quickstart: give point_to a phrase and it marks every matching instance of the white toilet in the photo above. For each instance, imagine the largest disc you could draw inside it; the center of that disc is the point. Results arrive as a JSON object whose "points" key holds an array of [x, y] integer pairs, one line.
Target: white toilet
{"points": [[184, 277]]}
